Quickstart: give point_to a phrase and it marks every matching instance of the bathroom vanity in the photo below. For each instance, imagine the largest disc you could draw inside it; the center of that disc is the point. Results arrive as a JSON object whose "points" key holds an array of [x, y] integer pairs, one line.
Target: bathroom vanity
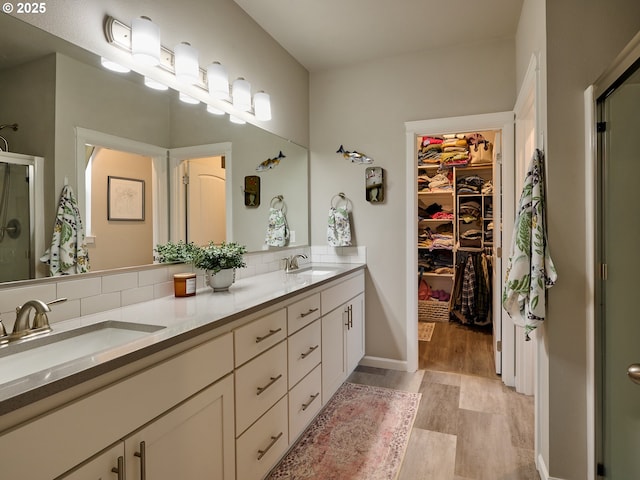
{"points": [[219, 388]]}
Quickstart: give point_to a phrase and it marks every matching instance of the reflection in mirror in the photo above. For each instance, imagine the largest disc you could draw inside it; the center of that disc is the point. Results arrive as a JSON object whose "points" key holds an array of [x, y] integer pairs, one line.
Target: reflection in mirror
{"points": [[54, 90]]}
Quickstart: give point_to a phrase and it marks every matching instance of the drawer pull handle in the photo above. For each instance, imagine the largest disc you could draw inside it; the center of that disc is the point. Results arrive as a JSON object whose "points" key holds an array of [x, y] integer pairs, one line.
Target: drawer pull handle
{"points": [[311, 350], [271, 332], [262, 453], [142, 455], [306, 405], [311, 310], [273, 380], [120, 468]]}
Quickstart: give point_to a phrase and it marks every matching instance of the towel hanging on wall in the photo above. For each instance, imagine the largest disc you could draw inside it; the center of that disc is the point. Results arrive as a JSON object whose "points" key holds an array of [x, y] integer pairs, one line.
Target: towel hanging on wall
{"points": [[339, 227], [68, 253], [277, 229], [530, 270]]}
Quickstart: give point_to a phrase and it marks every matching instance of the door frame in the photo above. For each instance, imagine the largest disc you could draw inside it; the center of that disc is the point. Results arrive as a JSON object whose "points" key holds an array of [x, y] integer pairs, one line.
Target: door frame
{"points": [[604, 84], [491, 121]]}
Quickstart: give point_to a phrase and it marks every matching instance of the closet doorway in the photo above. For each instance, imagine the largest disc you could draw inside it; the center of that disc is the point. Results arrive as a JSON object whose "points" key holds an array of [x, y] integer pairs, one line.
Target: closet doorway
{"points": [[499, 128]]}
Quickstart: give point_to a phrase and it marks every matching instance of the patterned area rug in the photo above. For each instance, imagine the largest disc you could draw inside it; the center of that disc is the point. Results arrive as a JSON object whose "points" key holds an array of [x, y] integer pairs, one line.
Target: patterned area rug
{"points": [[425, 331], [361, 434]]}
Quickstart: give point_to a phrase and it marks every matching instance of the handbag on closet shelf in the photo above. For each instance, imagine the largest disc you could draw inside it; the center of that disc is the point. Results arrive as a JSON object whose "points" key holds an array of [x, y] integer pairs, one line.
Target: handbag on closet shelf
{"points": [[424, 290]]}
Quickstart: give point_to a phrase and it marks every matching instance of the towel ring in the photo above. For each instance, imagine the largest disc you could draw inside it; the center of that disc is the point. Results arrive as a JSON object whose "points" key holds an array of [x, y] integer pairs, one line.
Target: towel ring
{"points": [[341, 197], [275, 200]]}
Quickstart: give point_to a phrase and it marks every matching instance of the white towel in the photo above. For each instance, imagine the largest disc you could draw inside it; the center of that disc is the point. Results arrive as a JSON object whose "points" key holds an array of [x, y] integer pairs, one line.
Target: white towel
{"points": [[277, 229], [530, 270], [339, 228], [68, 252]]}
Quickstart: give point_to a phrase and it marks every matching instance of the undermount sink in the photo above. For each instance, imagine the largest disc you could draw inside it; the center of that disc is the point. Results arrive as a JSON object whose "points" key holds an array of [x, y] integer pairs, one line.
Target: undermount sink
{"points": [[314, 271], [26, 357]]}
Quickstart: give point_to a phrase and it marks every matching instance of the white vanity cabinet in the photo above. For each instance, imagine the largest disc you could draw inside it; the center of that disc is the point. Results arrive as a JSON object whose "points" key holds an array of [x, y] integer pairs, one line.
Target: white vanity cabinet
{"points": [[72, 436], [342, 332], [187, 443]]}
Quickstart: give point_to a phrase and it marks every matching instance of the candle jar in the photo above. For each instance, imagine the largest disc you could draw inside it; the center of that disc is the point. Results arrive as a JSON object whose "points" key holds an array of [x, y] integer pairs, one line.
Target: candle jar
{"points": [[184, 284]]}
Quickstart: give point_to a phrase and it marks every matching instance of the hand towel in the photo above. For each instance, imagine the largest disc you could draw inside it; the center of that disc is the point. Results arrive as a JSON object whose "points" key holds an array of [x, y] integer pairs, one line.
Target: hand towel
{"points": [[339, 228], [277, 229], [530, 270], [68, 253]]}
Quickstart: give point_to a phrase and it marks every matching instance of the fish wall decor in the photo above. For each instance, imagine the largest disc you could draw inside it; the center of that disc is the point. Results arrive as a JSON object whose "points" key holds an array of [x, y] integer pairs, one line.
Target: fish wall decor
{"points": [[269, 163], [355, 157]]}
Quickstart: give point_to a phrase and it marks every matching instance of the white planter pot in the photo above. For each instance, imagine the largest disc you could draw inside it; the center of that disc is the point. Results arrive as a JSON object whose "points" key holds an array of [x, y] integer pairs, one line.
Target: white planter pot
{"points": [[221, 281]]}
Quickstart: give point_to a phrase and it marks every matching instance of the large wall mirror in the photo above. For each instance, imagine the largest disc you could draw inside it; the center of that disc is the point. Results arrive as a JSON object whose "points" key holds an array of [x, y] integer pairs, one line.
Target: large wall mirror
{"points": [[91, 125]]}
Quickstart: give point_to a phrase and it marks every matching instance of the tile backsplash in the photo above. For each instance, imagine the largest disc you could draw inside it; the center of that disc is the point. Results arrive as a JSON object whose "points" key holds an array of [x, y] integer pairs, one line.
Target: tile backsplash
{"points": [[100, 291]]}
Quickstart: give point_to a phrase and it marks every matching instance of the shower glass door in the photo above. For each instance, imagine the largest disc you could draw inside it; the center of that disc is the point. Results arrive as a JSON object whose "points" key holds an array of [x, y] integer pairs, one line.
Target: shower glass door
{"points": [[15, 222], [619, 326]]}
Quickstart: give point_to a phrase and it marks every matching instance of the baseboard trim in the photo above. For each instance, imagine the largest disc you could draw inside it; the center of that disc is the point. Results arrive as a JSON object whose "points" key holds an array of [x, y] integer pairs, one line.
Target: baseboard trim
{"points": [[543, 470], [379, 362]]}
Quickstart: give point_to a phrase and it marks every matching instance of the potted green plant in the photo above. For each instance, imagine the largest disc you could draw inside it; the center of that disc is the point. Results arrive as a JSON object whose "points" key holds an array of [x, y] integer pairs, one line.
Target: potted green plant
{"points": [[174, 252], [219, 263]]}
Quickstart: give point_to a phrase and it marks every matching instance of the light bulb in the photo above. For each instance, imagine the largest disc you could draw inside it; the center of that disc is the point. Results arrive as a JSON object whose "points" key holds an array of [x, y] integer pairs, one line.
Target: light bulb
{"points": [[262, 106], [145, 41], [186, 63], [241, 95]]}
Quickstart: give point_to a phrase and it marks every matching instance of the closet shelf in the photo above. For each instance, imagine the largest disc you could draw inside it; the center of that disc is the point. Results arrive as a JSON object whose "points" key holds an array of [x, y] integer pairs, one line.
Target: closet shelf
{"points": [[439, 275], [443, 192]]}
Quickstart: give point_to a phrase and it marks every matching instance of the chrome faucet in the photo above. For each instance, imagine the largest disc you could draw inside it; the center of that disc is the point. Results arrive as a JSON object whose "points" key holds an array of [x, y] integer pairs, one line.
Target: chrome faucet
{"points": [[40, 324], [291, 263]]}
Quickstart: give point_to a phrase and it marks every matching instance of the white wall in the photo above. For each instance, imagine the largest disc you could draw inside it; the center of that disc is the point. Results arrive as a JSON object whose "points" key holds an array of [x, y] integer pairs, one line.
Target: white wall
{"points": [[583, 38], [364, 107]]}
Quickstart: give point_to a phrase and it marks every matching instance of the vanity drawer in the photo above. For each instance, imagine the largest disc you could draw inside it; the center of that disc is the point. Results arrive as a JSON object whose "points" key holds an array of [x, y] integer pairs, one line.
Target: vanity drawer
{"points": [[303, 312], [259, 384], [305, 402], [304, 352], [335, 296], [260, 447], [258, 336]]}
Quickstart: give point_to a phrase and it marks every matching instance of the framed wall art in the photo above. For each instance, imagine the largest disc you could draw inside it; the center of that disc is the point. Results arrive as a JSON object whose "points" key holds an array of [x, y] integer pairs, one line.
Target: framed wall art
{"points": [[125, 199]]}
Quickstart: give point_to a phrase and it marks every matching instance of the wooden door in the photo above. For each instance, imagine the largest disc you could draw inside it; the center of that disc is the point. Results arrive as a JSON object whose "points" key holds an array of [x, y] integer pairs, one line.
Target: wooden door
{"points": [[206, 204]]}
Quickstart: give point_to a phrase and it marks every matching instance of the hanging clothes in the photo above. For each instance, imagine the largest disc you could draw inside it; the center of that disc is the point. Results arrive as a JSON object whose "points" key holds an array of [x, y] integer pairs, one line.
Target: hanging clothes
{"points": [[277, 228], [339, 228], [530, 270], [472, 295], [68, 253]]}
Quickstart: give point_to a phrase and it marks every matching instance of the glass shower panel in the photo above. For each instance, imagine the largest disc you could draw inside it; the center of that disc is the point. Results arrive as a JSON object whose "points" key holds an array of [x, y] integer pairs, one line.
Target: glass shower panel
{"points": [[15, 222]]}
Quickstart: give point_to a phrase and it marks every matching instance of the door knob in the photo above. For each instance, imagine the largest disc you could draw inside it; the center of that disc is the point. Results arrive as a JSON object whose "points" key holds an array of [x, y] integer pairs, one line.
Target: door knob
{"points": [[634, 373]]}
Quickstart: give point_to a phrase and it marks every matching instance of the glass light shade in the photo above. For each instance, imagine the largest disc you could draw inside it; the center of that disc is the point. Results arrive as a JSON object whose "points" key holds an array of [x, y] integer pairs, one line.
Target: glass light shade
{"points": [[188, 99], [238, 120], [242, 95], [186, 63], [214, 110], [145, 41], [262, 106], [218, 80], [113, 66], [156, 85]]}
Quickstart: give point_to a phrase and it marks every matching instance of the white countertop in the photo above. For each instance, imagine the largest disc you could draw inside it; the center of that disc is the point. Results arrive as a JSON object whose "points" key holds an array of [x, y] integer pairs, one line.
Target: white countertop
{"points": [[183, 318]]}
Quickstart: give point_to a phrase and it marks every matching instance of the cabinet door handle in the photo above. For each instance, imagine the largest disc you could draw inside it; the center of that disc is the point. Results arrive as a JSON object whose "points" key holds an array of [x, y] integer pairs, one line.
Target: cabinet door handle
{"points": [[313, 397], [142, 454], [311, 350], [271, 332], [120, 468], [350, 316], [262, 453], [309, 312], [273, 380]]}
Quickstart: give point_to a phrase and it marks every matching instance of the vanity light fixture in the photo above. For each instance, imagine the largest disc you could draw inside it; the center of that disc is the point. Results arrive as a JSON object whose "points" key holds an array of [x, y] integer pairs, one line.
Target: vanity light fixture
{"points": [[241, 94], [262, 106], [183, 63], [214, 110], [186, 63], [218, 81], [188, 99], [113, 66], [237, 120], [156, 85], [145, 41]]}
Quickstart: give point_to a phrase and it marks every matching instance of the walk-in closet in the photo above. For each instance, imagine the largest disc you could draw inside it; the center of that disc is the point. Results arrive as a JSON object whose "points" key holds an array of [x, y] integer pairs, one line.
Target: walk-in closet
{"points": [[458, 237]]}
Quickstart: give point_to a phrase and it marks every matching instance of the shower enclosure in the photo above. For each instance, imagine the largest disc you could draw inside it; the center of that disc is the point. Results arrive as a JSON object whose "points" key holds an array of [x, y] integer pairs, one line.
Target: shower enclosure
{"points": [[17, 216]]}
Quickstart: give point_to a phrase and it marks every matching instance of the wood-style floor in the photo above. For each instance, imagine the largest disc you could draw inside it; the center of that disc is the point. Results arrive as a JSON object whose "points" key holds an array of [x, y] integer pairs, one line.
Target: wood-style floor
{"points": [[469, 426]]}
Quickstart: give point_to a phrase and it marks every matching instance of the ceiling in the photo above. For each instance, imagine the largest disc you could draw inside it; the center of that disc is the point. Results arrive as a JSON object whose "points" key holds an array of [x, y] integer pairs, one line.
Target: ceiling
{"points": [[324, 34]]}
